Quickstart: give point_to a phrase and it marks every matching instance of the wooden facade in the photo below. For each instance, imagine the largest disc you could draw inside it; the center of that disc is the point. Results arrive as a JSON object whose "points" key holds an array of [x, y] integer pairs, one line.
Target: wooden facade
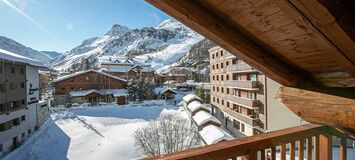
{"points": [[86, 81]]}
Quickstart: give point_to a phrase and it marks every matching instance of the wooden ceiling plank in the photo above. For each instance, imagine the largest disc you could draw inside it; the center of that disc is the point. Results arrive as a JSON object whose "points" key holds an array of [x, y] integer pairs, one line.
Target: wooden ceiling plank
{"points": [[323, 20], [322, 40], [209, 25]]}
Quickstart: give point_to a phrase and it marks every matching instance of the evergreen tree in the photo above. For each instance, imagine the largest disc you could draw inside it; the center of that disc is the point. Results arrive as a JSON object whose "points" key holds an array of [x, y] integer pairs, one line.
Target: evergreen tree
{"points": [[132, 89], [140, 89]]}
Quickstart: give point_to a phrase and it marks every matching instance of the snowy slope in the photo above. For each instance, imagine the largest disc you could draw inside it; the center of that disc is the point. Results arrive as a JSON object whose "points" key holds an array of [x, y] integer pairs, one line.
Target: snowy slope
{"points": [[162, 45], [15, 47], [52, 54]]}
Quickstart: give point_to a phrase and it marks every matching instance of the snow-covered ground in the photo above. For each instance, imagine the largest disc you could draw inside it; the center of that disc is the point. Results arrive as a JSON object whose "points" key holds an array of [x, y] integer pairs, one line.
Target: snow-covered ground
{"points": [[92, 133]]}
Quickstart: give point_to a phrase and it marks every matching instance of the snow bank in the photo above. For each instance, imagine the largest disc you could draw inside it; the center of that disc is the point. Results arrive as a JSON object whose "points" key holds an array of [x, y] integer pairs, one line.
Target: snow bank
{"points": [[212, 134], [203, 117]]}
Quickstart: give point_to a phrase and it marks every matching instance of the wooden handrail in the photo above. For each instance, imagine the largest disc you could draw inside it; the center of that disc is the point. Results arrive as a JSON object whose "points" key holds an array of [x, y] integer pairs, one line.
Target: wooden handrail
{"points": [[249, 146]]}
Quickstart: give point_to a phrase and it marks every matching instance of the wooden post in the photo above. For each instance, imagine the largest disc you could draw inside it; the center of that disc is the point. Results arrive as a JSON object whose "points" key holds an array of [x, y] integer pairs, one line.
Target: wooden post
{"points": [[300, 149], [316, 147], [283, 152], [262, 154], [325, 144], [342, 149], [273, 153], [292, 151], [309, 148]]}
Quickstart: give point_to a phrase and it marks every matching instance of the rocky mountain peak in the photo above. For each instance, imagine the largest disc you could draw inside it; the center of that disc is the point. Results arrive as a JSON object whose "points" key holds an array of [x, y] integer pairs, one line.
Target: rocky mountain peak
{"points": [[117, 30]]}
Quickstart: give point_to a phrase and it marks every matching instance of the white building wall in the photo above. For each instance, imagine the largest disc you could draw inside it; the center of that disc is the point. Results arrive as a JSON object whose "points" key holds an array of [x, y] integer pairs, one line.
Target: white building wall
{"points": [[26, 127], [278, 115]]}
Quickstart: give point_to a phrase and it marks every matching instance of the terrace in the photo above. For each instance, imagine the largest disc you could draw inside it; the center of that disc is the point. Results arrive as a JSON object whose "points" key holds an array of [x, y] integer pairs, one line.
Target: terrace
{"points": [[307, 47]]}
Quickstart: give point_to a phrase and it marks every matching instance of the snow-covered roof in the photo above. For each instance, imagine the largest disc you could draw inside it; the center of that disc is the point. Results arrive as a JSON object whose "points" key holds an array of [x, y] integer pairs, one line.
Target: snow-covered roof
{"points": [[114, 92], [212, 134], [188, 98], [169, 82], [203, 117], [82, 72], [18, 58], [83, 93], [196, 105], [160, 90]]}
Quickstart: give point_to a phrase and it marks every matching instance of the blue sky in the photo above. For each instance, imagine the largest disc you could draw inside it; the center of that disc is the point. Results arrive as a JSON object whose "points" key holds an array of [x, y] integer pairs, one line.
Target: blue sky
{"points": [[60, 25]]}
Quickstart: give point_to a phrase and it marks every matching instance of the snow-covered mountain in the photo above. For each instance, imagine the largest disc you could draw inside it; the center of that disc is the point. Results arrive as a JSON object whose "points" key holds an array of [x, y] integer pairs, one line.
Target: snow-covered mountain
{"points": [[159, 46], [52, 54], [15, 47]]}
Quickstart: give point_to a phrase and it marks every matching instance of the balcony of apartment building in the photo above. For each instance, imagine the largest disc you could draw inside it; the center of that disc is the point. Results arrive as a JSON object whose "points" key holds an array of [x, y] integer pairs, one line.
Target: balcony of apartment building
{"points": [[235, 111], [243, 101], [243, 84], [240, 67], [6, 108]]}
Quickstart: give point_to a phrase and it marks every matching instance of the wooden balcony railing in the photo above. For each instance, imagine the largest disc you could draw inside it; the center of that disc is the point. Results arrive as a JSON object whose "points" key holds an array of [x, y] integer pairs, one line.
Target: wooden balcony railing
{"points": [[240, 67], [250, 103], [305, 140], [243, 84]]}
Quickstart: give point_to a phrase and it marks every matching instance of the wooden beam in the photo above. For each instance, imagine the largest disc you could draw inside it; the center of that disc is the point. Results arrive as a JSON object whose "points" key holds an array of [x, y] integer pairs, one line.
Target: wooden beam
{"points": [[320, 108], [213, 27]]}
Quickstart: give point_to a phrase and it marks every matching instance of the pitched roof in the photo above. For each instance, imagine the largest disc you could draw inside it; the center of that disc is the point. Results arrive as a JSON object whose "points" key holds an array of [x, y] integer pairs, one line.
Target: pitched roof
{"points": [[82, 72], [18, 58]]}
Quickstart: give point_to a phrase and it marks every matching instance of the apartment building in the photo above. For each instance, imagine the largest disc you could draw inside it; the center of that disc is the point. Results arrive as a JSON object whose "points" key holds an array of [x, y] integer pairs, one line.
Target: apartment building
{"points": [[243, 98], [19, 95]]}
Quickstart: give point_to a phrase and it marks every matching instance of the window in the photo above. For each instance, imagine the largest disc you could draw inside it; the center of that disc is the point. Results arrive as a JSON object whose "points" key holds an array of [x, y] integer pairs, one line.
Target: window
{"points": [[2, 87], [72, 89], [212, 56], [12, 70], [227, 77], [221, 53], [29, 131], [216, 66], [217, 77], [217, 100], [22, 85], [222, 90], [63, 89], [242, 128], [221, 65], [87, 78], [13, 85], [216, 54], [212, 67], [217, 89], [222, 102], [227, 63], [23, 135], [236, 124], [23, 102], [252, 77], [214, 99], [213, 88], [23, 118], [228, 104], [213, 77], [22, 71], [227, 90]]}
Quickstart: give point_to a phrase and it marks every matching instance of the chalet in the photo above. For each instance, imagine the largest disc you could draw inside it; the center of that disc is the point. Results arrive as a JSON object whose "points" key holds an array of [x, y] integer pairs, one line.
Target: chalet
{"points": [[126, 68], [160, 79], [307, 47], [89, 86], [164, 93]]}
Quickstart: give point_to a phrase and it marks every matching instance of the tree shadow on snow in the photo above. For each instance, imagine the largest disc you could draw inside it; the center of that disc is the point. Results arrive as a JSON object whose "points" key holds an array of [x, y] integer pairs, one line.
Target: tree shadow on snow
{"points": [[145, 113]]}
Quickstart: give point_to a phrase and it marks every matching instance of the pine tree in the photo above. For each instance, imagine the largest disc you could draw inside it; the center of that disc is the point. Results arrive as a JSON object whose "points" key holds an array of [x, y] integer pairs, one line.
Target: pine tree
{"points": [[141, 89]]}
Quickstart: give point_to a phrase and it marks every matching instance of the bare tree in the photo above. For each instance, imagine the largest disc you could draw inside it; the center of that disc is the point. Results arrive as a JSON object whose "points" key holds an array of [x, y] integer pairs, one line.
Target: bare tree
{"points": [[168, 134]]}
